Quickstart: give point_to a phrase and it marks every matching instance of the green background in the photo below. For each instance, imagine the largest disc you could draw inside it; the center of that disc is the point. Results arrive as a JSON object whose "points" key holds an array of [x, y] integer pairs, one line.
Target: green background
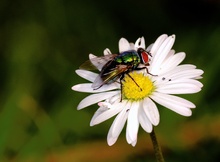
{"points": [[42, 43]]}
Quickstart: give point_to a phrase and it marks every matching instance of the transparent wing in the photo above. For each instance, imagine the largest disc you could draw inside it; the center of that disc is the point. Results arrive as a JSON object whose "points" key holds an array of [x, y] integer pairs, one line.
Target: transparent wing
{"points": [[97, 63], [111, 76]]}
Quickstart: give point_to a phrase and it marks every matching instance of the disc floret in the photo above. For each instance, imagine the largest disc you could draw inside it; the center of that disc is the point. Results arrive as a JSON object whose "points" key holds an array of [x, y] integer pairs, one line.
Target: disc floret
{"points": [[136, 91]]}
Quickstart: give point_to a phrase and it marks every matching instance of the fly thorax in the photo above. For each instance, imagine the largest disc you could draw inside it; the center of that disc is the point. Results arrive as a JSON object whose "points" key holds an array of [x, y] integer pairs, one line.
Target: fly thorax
{"points": [[119, 60]]}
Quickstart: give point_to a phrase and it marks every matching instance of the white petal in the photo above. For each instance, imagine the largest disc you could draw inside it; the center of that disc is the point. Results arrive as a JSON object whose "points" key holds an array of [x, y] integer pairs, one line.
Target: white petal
{"points": [[132, 123], [188, 89], [82, 87], [94, 98], [175, 82], [170, 54], [88, 75], [132, 46], [111, 140], [157, 44], [98, 112], [174, 103], [144, 121], [191, 73], [119, 121], [172, 62], [199, 77], [172, 73], [180, 86], [127, 134], [176, 100], [134, 143], [161, 54], [137, 43], [140, 43], [107, 51], [124, 45], [87, 87], [116, 108], [185, 67], [192, 81], [117, 127], [151, 111], [181, 68], [149, 47]]}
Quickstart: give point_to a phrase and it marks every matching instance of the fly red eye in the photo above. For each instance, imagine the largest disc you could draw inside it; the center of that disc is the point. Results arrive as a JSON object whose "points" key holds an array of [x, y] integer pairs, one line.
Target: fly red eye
{"points": [[144, 56]]}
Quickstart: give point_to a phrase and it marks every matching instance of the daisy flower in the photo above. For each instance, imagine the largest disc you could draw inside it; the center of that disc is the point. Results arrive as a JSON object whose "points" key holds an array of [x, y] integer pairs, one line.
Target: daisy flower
{"points": [[135, 105]]}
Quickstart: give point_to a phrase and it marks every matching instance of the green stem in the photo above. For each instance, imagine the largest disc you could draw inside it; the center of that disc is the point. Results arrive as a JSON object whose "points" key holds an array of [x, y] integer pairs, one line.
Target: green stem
{"points": [[157, 149]]}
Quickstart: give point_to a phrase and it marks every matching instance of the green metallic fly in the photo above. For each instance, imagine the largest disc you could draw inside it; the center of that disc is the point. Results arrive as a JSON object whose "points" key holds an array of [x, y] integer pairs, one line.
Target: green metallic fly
{"points": [[115, 66]]}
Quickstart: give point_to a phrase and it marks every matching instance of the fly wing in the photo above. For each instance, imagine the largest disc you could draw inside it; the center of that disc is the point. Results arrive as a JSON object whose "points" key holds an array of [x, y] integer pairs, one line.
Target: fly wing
{"points": [[98, 82], [97, 63], [111, 76]]}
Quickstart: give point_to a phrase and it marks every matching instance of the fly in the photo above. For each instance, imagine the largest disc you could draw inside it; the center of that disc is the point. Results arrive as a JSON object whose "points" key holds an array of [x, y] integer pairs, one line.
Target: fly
{"points": [[115, 66]]}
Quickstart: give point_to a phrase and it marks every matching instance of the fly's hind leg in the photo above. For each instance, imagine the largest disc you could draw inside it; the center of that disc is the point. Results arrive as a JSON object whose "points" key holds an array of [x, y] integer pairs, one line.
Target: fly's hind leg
{"points": [[121, 78]]}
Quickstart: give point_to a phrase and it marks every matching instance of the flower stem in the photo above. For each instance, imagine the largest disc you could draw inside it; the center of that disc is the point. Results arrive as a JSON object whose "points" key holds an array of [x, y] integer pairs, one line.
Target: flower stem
{"points": [[157, 149]]}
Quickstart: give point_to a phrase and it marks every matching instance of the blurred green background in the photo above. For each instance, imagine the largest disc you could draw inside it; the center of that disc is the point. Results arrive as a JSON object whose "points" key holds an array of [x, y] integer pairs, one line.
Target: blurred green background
{"points": [[42, 43]]}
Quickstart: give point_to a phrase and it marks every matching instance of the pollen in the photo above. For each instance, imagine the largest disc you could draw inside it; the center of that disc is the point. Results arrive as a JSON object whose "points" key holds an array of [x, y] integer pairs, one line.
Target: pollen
{"points": [[136, 86]]}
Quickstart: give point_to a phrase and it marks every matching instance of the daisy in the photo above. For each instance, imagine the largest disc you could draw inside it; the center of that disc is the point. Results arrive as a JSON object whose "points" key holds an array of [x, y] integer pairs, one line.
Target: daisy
{"points": [[136, 104]]}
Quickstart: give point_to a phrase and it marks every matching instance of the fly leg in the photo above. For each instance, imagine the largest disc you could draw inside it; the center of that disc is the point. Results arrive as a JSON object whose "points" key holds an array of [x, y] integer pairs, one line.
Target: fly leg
{"points": [[134, 81], [121, 78], [149, 72], [141, 68]]}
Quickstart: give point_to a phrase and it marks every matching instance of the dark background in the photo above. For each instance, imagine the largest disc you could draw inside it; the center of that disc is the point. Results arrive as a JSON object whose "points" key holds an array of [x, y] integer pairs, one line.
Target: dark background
{"points": [[42, 43]]}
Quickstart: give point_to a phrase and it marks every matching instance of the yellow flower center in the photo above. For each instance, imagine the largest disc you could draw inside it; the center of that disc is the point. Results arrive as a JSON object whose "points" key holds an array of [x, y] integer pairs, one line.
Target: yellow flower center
{"points": [[136, 86]]}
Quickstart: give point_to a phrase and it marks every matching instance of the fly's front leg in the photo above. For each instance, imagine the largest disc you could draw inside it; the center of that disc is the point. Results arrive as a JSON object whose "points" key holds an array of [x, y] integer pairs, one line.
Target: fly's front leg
{"points": [[149, 72], [141, 68], [134, 81]]}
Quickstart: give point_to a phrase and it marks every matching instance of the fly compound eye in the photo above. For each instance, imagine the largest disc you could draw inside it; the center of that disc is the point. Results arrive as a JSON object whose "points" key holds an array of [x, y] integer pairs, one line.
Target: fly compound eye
{"points": [[143, 55]]}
